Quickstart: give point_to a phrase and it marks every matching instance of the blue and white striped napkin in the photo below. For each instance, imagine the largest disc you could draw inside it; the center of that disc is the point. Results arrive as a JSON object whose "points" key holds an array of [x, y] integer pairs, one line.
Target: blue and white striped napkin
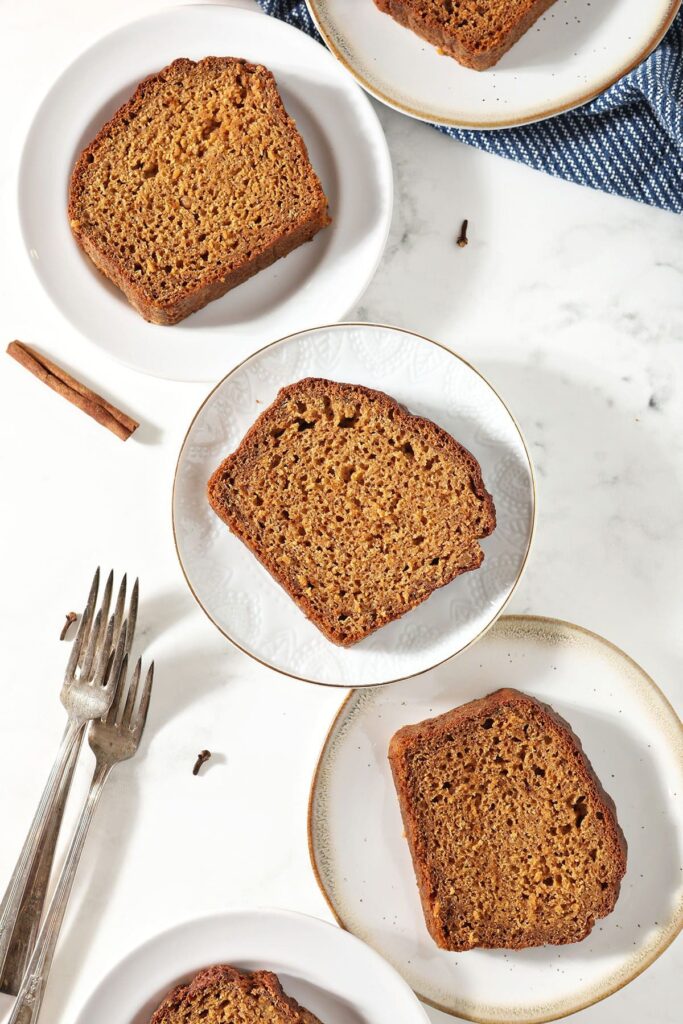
{"points": [[628, 141]]}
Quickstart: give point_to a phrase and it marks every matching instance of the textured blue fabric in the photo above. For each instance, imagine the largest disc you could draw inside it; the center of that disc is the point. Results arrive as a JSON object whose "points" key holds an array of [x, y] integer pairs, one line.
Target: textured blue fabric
{"points": [[628, 141]]}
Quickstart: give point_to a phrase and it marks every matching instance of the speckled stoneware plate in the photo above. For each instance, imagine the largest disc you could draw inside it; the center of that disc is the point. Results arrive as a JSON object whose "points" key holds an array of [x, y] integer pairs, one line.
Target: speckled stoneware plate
{"points": [[331, 973], [573, 53], [319, 281], [634, 740], [240, 596]]}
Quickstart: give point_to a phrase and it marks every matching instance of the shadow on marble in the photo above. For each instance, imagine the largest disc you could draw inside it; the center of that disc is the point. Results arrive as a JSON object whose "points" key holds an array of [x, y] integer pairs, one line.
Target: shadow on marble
{"points": [[189, 677], [105, 852], [148, 434], [159, 614], [423, 272], [188, 673], [216, 760], [607, 551]]}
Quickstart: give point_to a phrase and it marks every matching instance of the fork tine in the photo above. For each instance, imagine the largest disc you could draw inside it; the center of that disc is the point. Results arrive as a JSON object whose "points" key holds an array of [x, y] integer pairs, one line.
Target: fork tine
{"points": [[110, 717], [119, 653], [132, 615], [104, 656], [141, 717], [119, 691], [120, 604], [75, 652], [83, 627], [104, 607], [112, 678], [107, 635], [89, 636], [132, 694], [89, 653]]}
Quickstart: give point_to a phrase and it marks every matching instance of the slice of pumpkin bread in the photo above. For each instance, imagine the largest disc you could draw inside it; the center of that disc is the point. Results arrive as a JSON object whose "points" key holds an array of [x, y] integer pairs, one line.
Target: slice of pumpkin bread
{"points": [[224, 995], [196, 183], [475, 32], [357, 508], [514, 842]]}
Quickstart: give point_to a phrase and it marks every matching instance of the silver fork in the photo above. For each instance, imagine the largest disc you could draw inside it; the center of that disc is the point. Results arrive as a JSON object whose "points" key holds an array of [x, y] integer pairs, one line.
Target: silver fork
{"points": [[31, 910], [114, 738], [86, 693]]}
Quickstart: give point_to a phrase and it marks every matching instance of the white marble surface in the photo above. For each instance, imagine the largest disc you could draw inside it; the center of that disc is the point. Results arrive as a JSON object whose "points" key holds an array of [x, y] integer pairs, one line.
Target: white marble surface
{"points": [[570, 301]]}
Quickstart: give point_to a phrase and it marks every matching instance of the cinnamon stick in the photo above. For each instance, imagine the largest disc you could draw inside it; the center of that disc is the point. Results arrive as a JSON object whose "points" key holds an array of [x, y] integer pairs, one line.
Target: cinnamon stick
{"points": [[68, 387]]}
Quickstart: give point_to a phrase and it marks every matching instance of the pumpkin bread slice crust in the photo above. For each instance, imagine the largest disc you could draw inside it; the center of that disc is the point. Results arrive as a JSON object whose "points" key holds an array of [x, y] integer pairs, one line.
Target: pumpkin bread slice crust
{"points": [[513, 839], [359, 509], [198, 182]]}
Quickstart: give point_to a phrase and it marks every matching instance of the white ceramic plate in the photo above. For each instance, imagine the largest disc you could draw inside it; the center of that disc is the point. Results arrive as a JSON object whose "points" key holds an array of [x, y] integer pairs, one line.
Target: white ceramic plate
{"points": [[328, 971], [573, 53], [239, 595], [318, 282], [635, 742]]}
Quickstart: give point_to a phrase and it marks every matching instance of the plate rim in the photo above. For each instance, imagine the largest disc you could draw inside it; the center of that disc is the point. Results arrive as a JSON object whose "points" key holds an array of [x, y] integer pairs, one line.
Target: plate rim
{"points": [[456, 122], [338, 717], [237, 912], [525, 447], [385, 175]]}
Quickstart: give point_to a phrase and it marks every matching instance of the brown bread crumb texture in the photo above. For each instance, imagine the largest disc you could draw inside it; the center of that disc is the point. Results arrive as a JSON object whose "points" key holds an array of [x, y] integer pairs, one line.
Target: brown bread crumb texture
{"points": [[475, 32], [194, 185], [359, 509], [514, 842], [224, 995]]}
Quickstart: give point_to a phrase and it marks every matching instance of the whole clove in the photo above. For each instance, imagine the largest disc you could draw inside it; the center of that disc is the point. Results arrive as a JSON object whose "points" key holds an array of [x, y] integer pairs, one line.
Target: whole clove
{"points": [[202, 757], [70, 619]]}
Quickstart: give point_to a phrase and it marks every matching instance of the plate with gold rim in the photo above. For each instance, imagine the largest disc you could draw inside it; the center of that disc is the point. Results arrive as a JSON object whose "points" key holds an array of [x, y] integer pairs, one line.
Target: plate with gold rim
{"points": [[634, 741], [575, 51], [239, 595]]}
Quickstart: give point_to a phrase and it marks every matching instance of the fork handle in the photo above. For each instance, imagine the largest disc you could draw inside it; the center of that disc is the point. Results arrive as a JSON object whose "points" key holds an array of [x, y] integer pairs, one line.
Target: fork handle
{"points": [[31, 910], [30, 996], [14, 895]]}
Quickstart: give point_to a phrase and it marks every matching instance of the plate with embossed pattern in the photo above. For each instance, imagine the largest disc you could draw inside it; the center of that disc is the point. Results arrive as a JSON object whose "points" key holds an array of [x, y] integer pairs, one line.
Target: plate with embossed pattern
{"points": [[245, 602]]}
